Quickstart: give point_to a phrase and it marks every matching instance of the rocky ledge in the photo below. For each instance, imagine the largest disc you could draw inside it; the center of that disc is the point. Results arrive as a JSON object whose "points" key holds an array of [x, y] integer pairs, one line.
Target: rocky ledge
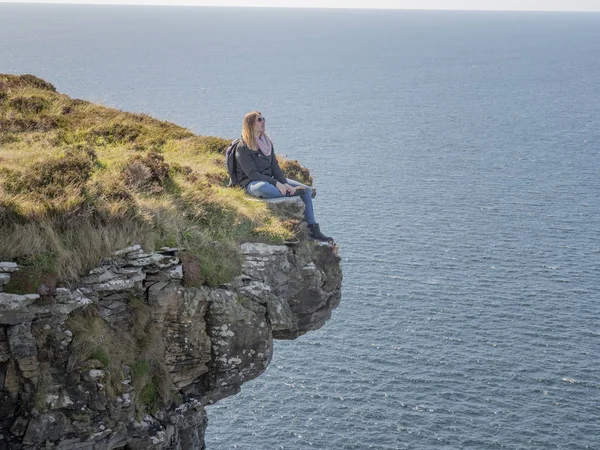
{"points": [[129, 356]]}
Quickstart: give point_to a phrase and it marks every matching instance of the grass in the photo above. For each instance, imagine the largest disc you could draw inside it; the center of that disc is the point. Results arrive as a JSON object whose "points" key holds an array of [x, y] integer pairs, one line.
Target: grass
{"points": [[93, 338], [137, 352], [79, 180]]}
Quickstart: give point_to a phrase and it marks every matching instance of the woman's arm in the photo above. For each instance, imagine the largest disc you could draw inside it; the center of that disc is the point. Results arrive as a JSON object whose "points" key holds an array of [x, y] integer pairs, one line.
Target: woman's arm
{"points": [[247, 164]]}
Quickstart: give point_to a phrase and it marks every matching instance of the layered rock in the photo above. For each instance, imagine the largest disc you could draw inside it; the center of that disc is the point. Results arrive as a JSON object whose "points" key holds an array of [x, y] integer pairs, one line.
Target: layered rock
{"points": [[131, 354]]}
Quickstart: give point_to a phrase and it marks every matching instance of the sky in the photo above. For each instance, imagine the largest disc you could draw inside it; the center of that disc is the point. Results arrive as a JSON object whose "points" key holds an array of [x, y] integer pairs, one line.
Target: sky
{"points": [[512, 5]]}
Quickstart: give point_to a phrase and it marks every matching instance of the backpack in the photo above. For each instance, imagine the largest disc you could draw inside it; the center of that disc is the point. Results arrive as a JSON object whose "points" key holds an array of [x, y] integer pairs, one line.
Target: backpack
{"points": [[231, 162]]}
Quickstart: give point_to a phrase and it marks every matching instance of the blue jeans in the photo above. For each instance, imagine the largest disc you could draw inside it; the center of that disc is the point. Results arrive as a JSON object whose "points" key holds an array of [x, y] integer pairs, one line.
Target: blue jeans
{"points": [[262, 189]]}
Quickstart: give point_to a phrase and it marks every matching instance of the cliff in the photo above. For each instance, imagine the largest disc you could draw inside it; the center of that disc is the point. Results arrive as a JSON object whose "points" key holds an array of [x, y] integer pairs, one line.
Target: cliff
{"points": [[105, 345]]}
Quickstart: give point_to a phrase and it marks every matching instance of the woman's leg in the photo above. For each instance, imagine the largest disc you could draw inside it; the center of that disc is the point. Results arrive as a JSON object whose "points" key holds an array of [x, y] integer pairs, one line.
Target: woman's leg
{"points": [[262, 189], [309, 213]]}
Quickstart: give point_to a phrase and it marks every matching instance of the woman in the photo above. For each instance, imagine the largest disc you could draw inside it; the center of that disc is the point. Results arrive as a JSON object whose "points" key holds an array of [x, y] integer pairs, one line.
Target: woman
{"points": [[259, 173]]}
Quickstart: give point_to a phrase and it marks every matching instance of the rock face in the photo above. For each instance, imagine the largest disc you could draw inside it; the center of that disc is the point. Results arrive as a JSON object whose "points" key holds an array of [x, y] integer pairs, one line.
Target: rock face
{"points": [[129, 356]]}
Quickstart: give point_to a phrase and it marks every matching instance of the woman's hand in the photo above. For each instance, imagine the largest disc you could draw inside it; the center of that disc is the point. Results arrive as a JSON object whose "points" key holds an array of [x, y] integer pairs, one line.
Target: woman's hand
{"points": [[281, 188], [291, 189]]}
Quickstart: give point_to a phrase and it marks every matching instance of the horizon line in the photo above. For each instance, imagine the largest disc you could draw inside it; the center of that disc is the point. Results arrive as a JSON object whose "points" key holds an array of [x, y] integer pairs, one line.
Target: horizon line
{"points": [[115, 3]]}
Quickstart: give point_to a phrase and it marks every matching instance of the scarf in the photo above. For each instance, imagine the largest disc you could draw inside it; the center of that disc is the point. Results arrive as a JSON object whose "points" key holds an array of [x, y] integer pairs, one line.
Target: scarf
{"points": [[265, 145]]}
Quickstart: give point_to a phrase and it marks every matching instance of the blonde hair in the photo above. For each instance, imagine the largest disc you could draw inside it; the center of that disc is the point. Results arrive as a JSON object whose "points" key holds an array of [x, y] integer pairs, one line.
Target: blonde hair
{"points": [[248, 130]]}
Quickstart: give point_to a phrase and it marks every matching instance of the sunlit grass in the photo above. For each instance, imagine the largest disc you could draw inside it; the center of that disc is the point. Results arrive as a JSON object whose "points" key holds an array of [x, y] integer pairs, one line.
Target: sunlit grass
{"points": [[79, 180]]}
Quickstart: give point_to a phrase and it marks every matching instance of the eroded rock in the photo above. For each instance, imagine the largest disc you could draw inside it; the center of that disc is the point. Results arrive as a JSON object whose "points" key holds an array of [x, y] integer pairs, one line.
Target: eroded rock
{"points": [[83, 367]]}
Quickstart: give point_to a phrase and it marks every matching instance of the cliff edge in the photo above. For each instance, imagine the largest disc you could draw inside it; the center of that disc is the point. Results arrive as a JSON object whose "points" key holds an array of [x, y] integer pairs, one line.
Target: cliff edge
{"points": [[105, 345]]}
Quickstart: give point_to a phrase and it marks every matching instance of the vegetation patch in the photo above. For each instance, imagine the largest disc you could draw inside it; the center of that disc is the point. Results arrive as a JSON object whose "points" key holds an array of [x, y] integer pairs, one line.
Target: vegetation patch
{"points": [[24, 81], [294, 170], [147, 172], [244, 300], [149, 374], [136, 353], [29, 105], [8, 138], [213, 144], [215, 263], [35, 270], [28, 124], [115, 133], [94, 339], [79, 181], [99, 354], [56, 175], [192, 270]]}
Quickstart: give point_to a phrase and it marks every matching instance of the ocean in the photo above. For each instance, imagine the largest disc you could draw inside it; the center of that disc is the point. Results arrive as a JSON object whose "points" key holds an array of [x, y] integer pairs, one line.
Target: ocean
{"points": [[457, 160]]}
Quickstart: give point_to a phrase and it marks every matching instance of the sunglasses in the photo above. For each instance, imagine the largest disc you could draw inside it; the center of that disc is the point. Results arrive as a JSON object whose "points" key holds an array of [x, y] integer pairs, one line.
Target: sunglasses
{"points": [[261, 119]]}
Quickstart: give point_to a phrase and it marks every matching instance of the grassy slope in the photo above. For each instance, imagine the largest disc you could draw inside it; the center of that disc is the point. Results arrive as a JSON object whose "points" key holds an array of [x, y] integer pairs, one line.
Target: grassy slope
{"points": [[79, 180]]}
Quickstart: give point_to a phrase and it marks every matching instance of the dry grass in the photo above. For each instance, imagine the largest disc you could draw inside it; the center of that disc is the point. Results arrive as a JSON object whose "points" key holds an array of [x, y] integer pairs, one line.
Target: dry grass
{"points": [[79, 180], [94, 339]]}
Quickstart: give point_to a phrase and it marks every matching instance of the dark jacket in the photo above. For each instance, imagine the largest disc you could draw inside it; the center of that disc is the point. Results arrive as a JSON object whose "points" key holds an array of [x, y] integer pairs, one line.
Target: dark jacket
{"points": [[253, 165]]}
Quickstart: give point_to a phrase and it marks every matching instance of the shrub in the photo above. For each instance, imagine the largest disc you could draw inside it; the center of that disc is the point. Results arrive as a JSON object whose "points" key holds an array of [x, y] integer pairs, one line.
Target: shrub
{"points": [[24, 125], [137, 174], [115, 133], [29, 105], [8, 138], [27, 80], [68, 137], [217, 178], [112, 190], [213, 144], [148, 172], [53, 176], [294, 170], [214, 263], [178, 168]]}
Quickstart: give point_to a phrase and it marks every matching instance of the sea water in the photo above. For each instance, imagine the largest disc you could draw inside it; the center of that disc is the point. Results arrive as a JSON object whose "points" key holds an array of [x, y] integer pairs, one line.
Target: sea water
{"points": [[457, 158]]}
